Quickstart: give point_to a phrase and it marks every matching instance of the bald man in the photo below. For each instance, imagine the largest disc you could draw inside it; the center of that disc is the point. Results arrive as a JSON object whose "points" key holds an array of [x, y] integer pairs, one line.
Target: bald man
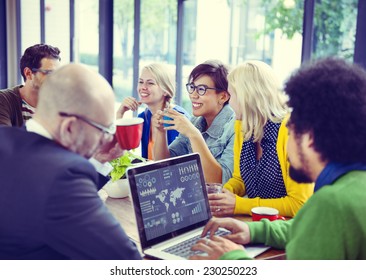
{"points": [[48, 188]]}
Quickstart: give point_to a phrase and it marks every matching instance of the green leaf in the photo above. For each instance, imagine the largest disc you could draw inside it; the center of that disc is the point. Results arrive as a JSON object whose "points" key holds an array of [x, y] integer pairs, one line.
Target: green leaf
{"points": [[122, 163]]}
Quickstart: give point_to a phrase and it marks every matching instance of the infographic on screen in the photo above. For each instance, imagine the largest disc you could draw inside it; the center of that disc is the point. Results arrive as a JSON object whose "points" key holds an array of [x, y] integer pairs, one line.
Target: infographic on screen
{"points": [[171, 198]]}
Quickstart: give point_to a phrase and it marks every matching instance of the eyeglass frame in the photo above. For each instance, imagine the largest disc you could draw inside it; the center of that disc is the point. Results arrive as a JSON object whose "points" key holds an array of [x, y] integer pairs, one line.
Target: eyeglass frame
{"points": [[111, 130], [44, 72], [195, 88]]}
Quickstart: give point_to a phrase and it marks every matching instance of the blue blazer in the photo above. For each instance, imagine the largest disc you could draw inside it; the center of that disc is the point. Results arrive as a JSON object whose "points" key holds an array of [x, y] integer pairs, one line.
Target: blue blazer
{"points": [[49, 205], [171, 134]]}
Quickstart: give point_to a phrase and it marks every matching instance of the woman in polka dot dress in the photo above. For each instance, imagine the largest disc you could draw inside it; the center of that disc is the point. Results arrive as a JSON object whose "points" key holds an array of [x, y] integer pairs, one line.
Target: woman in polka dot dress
{"points": [[261, 169]]}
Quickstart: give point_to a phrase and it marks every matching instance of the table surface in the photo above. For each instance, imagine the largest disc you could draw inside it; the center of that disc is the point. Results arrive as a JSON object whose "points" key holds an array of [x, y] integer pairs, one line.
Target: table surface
{"points": [[122, 210]]}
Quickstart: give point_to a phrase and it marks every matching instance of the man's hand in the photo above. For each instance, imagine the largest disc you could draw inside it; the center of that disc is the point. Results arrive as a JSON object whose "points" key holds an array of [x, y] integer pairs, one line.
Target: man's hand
{"points": [[214, 248], [239, 230], [109, 151]]}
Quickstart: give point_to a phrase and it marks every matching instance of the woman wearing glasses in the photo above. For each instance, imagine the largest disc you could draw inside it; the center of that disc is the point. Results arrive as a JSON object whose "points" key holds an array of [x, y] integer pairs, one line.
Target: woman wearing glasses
{"points": [[210, 132], [261, 169], [156, 89]]}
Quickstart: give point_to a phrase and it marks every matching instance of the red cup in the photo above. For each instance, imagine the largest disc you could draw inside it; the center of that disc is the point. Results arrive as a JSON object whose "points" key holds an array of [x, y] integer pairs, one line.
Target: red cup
{"points": [[129, 132], [259, 213]]}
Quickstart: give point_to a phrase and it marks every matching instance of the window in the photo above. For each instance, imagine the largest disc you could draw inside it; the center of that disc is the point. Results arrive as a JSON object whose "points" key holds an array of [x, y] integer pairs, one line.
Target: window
{"points": [[157, 39], [87, 32], [123, 48], [235, 30], [57, 27], [230, 30], [30, 23], [334, 28]]}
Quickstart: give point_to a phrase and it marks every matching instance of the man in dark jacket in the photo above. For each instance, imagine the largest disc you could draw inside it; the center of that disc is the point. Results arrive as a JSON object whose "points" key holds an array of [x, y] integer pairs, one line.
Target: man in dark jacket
{"points": [[48, 195]]}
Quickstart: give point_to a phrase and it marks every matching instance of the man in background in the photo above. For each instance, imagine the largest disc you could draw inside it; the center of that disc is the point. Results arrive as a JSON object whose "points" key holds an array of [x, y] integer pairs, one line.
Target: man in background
{"points": [[49, 204], [18, 104], [327, 145]]}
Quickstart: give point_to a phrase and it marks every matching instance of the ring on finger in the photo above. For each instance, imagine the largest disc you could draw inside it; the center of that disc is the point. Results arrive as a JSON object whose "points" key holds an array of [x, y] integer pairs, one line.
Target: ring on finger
{"points": [[207, 241]]}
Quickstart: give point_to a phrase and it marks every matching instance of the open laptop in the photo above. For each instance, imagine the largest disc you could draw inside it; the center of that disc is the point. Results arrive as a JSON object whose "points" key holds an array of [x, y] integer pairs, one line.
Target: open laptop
{"points": [[171, 206]]}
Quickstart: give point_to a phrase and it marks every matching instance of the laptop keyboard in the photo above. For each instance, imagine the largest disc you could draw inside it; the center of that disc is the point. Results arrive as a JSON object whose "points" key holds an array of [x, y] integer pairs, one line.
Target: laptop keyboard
{"points": [[183, 249]]}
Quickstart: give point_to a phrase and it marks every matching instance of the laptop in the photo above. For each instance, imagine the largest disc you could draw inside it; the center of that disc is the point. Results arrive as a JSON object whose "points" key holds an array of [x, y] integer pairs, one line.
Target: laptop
{"points": [[171, 206]]}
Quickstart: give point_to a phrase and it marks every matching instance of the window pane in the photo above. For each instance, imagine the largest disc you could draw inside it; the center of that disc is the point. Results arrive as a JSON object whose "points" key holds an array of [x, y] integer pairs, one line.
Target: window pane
{"points": [[57, 27], [158, 31], [87, 32], [206, 36], [123, 48], [30, 23], [335, 28], [157, 39], [272, 33]]}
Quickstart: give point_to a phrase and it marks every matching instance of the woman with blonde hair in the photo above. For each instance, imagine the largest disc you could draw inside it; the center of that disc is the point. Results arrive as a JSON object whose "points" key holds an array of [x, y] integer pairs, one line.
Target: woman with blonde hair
{"points": [[261, 169], [156, 89]]}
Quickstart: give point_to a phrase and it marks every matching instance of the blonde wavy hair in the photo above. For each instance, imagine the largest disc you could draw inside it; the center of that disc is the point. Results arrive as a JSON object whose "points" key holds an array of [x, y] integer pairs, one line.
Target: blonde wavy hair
{"points": [[164, 79], [259, 97]]}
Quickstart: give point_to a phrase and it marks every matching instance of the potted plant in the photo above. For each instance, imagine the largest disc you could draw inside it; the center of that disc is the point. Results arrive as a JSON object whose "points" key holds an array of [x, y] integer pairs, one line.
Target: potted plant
{"points": [[118, 186]]}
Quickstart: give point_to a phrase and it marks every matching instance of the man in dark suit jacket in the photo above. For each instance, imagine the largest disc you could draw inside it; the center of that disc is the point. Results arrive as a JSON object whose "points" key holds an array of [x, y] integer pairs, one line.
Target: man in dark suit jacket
{"points": [[49, 205]]}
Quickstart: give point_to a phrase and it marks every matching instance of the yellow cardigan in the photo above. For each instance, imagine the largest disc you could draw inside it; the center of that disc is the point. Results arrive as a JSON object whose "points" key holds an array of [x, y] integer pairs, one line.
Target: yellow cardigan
{"points": [[297, 193]]}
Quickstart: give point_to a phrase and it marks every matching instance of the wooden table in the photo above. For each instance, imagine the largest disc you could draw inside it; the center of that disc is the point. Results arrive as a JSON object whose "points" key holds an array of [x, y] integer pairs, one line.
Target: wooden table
{"points": [[122, 210]]}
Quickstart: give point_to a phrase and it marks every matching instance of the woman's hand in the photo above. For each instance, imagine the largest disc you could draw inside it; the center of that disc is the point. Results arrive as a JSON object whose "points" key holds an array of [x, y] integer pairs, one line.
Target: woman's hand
{"points": [[157, 121], [129, 103], [222, 204], [179, 122]]}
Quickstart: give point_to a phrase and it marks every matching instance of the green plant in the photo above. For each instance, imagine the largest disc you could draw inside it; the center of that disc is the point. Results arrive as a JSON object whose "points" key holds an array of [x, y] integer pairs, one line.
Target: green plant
{"points": [[122, 163]]}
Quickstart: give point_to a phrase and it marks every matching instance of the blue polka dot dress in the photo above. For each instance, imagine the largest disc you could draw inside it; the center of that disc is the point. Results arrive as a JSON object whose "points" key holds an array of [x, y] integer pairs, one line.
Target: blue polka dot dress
{"points": [[262, 178]]}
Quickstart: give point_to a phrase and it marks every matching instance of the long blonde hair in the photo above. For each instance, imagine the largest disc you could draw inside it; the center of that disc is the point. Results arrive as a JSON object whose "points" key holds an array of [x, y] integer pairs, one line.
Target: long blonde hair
{"points": [[164, 79], [259, 96]]}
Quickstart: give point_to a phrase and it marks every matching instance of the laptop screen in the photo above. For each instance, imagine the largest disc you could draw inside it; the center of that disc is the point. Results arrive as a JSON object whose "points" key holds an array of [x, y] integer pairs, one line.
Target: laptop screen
{"points": [[169, 198]]}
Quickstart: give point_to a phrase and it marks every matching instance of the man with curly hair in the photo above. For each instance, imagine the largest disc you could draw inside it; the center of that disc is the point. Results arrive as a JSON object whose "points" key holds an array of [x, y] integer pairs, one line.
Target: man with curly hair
{"points": [[327, 145]]}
